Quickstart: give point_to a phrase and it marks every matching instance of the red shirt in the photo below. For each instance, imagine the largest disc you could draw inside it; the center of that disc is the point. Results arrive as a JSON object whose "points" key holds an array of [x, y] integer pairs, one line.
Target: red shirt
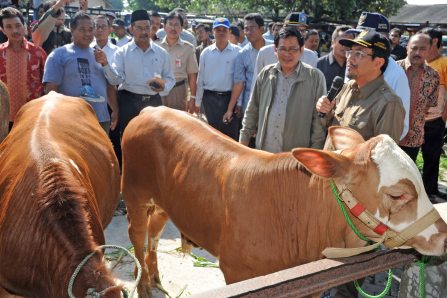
{"points": [[22, 73]]}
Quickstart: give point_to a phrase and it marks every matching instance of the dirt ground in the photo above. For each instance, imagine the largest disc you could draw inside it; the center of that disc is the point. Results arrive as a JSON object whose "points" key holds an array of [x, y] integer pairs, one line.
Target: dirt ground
{"points": [[179, 276]]}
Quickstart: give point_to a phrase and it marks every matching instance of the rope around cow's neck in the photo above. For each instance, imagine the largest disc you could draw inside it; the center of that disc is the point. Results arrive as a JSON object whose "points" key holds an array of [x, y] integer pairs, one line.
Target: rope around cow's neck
{"points": [[421, 263], [92, 292]]}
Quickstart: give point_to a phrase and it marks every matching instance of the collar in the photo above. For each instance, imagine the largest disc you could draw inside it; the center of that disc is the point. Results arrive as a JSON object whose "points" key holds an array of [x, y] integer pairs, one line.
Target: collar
{"points": [[25, 44], [107, 45], [277, 69], [133, 46], [178, 42], [229, 47], [372, 86], [407, 64], [331, 58]]}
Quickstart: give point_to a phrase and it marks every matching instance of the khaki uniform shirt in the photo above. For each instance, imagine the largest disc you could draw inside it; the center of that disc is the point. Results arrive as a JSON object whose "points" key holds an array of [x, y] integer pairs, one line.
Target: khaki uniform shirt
{"points": [[183, 58], [371, 110]]}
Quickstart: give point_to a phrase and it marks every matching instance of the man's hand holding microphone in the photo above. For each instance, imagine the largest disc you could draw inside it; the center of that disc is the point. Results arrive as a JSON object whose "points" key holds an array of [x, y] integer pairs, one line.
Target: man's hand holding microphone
{"points": [[325, 104]]}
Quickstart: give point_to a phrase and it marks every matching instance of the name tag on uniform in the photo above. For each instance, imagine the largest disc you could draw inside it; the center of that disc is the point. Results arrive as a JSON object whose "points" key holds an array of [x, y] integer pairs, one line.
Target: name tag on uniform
{"points": [[178, 63]]}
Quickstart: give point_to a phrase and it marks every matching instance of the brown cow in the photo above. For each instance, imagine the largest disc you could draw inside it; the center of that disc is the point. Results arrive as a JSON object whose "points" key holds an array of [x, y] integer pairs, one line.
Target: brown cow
{"points": [[261, 212], [59, 187]]}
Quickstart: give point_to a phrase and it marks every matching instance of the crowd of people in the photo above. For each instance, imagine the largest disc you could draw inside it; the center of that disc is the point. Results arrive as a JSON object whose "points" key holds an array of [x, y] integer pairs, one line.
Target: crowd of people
{"points": [[264, 86]]}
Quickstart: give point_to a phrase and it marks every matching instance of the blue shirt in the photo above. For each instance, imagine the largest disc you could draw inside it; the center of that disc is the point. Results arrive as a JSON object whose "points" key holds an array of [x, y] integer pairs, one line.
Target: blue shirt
{"points": [[244, 70], [216, 69], [71, 68], [132, 68]]}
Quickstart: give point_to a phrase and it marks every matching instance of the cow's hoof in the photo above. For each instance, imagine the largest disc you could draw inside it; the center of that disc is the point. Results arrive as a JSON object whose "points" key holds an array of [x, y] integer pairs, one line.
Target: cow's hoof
{"points": [[144, 291]]}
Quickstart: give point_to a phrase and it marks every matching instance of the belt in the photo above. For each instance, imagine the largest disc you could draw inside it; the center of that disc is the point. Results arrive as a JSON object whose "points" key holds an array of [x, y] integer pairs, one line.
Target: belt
{"points": [[218, 93], [179, 83], [142, 97]]}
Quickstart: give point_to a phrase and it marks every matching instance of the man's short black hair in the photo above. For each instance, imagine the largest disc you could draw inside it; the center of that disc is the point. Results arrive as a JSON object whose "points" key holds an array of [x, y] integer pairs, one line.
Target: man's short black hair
{"points": [[310, 33], [154, 13], [338, 29], [205, 27], [172, 15], [287, 32], [10, 13], [397, 31], [235, 30], [433, 33], [80, 15], [240, 24], [254, 16]]}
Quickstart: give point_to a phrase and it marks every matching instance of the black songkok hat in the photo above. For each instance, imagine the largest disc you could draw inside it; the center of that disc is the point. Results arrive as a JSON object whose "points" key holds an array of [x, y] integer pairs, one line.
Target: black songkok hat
{"points": [[139, 15]]}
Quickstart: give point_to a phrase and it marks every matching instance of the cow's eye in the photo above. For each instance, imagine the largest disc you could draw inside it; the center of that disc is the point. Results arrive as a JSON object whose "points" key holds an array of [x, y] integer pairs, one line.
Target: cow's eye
{"points": [[397, 197]]}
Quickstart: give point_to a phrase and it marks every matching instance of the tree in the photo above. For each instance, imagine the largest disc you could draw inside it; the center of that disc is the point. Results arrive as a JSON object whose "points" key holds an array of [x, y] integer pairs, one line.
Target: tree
{"points": [[116, 4], [330, 10]]}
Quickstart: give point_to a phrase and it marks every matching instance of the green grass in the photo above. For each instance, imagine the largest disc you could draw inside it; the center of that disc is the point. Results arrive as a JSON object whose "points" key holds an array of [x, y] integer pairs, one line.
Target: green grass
{"points": [[442, 164]]}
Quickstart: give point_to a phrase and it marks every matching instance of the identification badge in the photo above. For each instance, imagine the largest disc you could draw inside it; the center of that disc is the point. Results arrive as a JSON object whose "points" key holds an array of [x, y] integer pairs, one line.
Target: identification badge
{"points": [[178, 62]]}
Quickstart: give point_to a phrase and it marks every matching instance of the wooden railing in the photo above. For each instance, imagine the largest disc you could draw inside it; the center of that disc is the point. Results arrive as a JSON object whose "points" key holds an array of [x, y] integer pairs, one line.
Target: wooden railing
{"points": [[315, 277]]}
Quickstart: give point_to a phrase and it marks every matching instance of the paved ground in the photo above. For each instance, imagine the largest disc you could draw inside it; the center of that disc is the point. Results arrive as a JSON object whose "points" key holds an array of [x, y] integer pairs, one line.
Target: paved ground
{"points": [[179, 276]]}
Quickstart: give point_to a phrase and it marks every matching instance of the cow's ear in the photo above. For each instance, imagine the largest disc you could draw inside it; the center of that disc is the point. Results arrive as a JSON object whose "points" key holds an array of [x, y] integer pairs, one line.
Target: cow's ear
{"points": [[325, 164], [343, 137]]}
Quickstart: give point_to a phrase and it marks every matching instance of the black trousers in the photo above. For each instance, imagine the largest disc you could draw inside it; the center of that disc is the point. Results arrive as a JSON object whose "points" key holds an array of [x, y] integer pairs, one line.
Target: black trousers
{"points": [[131, 104], [411, 151], [215, 105], [431, 152]]}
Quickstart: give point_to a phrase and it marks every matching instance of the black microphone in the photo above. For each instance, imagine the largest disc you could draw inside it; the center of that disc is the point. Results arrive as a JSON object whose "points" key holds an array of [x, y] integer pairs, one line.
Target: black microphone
{"points": [[337, 83]]}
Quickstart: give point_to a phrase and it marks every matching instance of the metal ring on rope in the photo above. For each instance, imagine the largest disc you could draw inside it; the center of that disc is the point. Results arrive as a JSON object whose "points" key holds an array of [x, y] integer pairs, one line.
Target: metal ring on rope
{"points": [[92, 292]]}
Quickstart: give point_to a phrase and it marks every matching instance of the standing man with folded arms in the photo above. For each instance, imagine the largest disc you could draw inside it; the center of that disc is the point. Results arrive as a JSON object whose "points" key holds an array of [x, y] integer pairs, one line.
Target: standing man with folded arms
{"points": [[141, 68]]}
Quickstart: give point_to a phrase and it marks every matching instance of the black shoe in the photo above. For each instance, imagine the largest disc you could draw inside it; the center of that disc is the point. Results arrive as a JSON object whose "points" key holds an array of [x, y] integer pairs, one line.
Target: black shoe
{"points": [[437, 197], [442, 196]]}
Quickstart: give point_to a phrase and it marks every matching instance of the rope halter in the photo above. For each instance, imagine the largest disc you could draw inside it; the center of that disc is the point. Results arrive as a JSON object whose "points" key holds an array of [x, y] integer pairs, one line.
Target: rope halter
{"points": [[389, 237]]}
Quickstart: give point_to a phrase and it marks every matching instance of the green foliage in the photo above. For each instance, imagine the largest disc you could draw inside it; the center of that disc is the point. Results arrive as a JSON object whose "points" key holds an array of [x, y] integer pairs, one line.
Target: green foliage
{"points": [[331, 10], [116, 4], [142, 4], [442, 164]]}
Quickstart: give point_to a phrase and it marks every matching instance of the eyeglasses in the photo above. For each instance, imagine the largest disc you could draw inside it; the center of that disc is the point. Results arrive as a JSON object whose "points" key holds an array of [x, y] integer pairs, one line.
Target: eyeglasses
{"points": [[289, 50], [357, 55]]}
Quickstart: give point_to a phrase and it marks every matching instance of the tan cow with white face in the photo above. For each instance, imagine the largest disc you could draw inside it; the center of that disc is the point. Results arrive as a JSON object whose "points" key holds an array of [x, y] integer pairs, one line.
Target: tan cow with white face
{"points": [[261, 212]]}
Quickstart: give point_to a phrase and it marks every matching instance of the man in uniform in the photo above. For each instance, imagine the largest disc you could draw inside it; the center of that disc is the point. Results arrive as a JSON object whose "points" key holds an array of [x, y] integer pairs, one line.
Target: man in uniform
{"points": [[366, 103], [183, 63]]}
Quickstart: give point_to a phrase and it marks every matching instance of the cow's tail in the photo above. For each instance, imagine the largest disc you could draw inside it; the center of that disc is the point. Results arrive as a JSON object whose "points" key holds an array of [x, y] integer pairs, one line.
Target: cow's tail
{"points": [[62, 204], [4, 111]]}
